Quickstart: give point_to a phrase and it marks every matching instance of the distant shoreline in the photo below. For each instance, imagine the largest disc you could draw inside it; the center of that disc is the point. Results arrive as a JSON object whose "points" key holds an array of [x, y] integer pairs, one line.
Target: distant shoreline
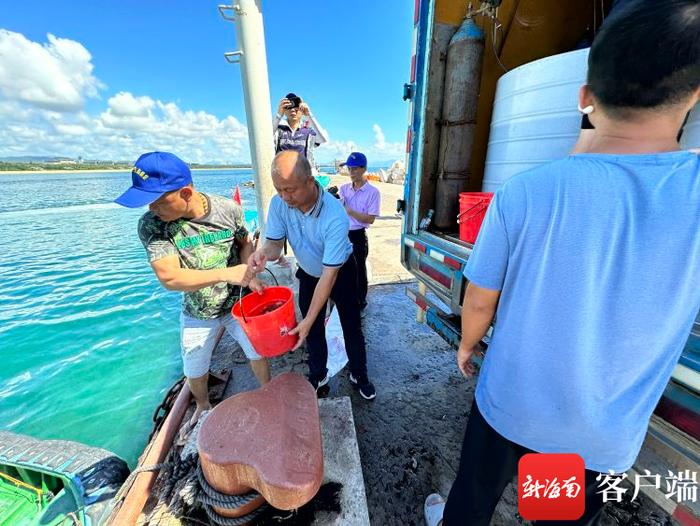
{"points": [[19, 172]]}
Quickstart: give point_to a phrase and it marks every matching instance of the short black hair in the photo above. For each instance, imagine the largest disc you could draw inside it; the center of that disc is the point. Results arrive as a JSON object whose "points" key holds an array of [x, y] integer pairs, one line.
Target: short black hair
{"points": [[647, 54]]}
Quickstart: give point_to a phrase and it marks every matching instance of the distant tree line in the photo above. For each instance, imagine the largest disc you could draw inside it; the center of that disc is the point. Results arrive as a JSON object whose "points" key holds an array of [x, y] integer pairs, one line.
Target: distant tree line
{"points": [[74, 166]]}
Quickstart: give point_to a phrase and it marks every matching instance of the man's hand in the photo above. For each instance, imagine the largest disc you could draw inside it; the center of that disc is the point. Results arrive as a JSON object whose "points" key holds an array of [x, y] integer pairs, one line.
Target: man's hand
{"points": [[283, 106], [304, 109], [256, 285], [302, 329], [464, 360], [333, 190], [235, 275], [256, 262], [283, 262]]}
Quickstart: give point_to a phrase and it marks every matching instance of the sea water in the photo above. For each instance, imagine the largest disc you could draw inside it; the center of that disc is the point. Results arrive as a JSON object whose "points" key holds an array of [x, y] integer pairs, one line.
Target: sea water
{"points": [[89, 340]]}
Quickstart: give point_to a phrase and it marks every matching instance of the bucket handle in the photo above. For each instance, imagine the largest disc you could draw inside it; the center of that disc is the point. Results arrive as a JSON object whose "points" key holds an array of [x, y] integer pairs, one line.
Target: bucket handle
{"points": [[480, 203], [240, 294]]}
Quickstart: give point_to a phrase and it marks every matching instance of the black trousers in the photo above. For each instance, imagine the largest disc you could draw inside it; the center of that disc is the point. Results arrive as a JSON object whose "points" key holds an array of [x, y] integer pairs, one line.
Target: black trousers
{"points": [[344, 294], [360, 249], [488, 464]]}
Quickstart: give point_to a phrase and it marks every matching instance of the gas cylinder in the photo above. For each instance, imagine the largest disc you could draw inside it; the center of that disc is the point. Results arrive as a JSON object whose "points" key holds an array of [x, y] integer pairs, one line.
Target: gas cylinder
{"points": [[458, 122]]}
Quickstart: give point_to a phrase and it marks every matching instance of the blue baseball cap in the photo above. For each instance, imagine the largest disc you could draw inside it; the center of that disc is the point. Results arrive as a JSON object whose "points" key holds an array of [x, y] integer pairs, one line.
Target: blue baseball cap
{"points": [[356, 159], [154, 174]]}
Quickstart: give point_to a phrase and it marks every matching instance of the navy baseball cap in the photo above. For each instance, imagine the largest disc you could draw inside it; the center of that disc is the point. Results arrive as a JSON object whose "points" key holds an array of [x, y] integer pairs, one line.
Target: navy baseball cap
{"points": [[154, 174], [356, 159]]}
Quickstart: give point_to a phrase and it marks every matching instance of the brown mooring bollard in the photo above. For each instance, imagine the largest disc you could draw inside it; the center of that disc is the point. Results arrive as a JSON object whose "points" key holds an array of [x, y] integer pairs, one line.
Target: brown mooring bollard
{"points": [[268, 440]]}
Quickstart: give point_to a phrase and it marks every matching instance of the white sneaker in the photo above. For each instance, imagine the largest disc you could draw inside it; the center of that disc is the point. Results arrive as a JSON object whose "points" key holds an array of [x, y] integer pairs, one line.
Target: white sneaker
{"points": [[318, 385], [433, 509]]}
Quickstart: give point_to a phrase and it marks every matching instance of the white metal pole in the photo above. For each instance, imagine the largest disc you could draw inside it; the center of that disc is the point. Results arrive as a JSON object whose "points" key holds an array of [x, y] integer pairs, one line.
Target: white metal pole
{"points": [[250, 36]]}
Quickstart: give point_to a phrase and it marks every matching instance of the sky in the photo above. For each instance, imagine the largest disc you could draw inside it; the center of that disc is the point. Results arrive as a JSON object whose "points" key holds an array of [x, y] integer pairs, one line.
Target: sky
{"points": [[110, 80]]}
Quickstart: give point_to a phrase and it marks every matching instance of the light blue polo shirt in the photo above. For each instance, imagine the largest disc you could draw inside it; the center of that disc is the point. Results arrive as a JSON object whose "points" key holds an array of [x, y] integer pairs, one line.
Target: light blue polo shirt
{"points": [[319, 237], [597, 258]]}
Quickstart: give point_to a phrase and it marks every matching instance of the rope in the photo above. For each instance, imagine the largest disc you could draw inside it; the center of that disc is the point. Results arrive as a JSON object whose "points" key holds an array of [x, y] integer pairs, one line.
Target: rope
{"points": [[130, 479], [183, 486], [215, 518], [222, 500], [176, 489], [74, 519], [211, 498], [494, 37]]}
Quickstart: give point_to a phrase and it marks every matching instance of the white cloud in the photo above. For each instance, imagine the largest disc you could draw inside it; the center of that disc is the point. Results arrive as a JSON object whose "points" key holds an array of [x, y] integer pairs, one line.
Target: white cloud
{"points": [[75, 130], [43, 89], [395, 150], [379, 139], [336, 150], [124, 104], [380, 152], [56, 75], [129, 126]]}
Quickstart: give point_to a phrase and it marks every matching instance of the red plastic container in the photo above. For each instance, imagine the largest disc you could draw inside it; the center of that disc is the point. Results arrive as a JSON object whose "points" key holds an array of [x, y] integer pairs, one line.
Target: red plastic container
{"points": [[267, 318], [472, 210]]}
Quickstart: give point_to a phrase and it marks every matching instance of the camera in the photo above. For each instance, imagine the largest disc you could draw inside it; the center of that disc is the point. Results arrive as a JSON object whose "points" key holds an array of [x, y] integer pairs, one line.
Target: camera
{"points": [[295, 101]]}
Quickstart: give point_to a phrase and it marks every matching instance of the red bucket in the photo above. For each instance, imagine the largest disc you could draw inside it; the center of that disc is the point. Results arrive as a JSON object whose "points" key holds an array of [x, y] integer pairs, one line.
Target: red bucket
{"points": [[472, 210], [267, 318]]}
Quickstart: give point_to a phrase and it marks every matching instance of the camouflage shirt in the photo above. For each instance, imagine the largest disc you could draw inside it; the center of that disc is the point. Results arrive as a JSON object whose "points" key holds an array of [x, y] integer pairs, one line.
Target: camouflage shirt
{"points": [[204, 243]]}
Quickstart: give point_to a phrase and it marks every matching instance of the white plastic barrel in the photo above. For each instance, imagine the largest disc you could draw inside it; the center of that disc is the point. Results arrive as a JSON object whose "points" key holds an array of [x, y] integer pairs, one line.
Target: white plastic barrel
{"points": [[535, 117]]}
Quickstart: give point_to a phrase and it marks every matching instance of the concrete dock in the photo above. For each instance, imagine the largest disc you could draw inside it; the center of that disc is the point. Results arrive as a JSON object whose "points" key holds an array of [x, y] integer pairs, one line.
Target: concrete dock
{"points": [[384, 260], [410, 437]]}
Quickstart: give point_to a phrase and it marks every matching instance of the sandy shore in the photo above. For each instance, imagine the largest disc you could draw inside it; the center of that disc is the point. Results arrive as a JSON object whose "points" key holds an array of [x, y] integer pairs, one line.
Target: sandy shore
{"points": [[20, 172], [384, 260]]}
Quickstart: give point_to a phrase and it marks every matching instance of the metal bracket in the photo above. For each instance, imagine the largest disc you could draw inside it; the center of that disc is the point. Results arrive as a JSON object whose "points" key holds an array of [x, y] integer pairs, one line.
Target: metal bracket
{"points": [[233, 57], [223, 9], [408, 91], [487, 8]]}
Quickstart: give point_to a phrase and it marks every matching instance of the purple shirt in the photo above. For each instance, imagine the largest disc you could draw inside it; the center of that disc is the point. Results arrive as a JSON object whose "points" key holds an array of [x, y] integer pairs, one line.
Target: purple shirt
{"points": [[365, 200]]}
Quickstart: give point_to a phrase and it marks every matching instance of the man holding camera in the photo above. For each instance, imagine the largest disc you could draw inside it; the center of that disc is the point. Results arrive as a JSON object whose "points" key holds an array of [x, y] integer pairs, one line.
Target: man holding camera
{"points": [[292, 135]]}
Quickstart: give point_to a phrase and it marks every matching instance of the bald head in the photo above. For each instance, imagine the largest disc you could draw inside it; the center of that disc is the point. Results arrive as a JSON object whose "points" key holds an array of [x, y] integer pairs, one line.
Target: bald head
{"points": [[290, 164], [293, 180]]}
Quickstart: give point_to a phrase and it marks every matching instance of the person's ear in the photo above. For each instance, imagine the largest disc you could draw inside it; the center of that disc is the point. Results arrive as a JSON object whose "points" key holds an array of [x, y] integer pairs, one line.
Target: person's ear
{"points": [[694, 99], [586, 102], [186, 193]]}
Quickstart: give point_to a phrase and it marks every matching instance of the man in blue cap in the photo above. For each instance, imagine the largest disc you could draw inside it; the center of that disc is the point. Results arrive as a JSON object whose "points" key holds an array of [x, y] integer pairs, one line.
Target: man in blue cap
{"points": [[362, 203], [196, 243]]}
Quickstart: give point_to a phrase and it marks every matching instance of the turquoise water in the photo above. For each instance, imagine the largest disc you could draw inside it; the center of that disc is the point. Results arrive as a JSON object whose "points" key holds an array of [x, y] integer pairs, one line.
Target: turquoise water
{"points": [[89, 338]]}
